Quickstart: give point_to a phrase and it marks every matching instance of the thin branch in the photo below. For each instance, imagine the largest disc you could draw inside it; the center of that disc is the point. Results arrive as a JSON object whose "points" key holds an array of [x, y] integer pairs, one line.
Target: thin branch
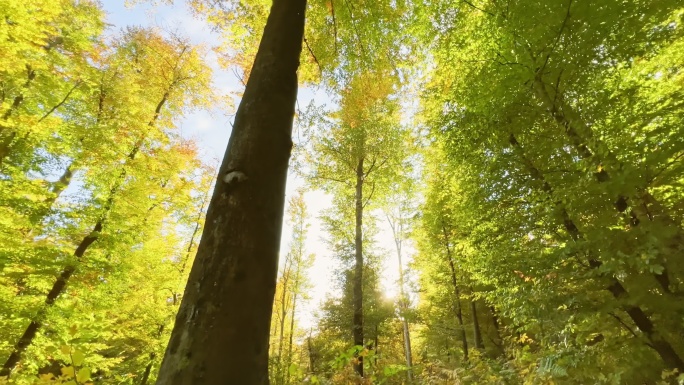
{"points": [[477, 8], [330, 179], [356, 30], [370, 196], [332, 10], [624, 325], [78, 83], [239, 77], [560, 33], [670, 163], [342, 157], [313, 55], [378, 166]]}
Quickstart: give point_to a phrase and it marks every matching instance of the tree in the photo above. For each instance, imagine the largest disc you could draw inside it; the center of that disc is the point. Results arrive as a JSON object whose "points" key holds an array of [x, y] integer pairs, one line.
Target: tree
{"points": [[226, 307], [290, 292], [355, 153], [547, 187], [400, 211], [162, 77]]}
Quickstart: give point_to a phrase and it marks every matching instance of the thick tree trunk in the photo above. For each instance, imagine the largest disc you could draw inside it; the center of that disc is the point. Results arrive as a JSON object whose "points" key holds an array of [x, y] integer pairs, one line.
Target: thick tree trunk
{"points": [[457, 295], [222, 328], [615, 287], [357, 323], [477, 334]]}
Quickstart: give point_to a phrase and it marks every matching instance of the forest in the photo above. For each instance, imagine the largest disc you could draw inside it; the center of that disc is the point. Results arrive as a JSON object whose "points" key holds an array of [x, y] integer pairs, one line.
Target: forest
{"points": [[524, 160]]}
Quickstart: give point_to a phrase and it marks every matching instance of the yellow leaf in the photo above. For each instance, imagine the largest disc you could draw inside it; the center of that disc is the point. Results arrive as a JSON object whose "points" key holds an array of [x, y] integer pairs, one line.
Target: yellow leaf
{"points": [[78, 357], [68, 371], [83, 375]]}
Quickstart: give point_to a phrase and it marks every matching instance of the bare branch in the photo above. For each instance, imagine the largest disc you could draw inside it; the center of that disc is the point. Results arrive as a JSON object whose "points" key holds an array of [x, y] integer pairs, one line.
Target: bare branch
{"points": [[477, 8], [314, 56], [560, 33]]}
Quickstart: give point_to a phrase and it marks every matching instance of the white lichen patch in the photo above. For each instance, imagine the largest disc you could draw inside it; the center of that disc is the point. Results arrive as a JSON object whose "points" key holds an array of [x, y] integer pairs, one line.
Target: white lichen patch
{"points": [[234, 176]]}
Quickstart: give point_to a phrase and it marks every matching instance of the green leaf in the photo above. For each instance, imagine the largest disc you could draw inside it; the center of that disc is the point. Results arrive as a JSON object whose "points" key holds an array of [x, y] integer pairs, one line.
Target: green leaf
{"points": [[77, 358], [68, 371], [83, 374]]}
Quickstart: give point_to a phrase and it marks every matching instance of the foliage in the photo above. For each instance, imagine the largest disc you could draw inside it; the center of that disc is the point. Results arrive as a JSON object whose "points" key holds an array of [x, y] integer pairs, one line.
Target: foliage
{"points": [[545, 202], [97, 188]]}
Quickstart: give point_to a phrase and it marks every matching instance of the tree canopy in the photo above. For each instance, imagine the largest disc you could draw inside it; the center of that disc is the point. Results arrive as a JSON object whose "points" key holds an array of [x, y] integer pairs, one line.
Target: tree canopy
{"points": [[516, 165]]}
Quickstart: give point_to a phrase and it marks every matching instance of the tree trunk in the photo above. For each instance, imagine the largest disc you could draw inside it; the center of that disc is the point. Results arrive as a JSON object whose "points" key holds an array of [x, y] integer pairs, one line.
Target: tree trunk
{"points": [[407, 350], [57, 288], [615, 287], [153, 355], [457, 295], [148, 369], [358, 269], [376, 345], [292, 320], [221, 331], [397, 233], [283, 314], [477, 335], [312, 359]]}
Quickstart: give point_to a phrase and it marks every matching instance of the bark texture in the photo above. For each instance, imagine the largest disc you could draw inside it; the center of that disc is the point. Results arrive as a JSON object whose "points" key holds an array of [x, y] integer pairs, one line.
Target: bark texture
{"points": [[477, 334], [221, 332], [457, 295]]}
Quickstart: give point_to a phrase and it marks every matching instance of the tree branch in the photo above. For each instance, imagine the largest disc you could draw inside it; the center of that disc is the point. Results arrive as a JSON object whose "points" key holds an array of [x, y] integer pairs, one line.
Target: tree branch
{"points": [[560, 33], [477, 8], [78, 83], [314, 56]]}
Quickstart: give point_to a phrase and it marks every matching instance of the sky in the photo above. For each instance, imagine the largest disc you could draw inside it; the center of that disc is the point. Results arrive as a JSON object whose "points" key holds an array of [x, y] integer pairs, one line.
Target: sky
{"points": [[211, 130]]}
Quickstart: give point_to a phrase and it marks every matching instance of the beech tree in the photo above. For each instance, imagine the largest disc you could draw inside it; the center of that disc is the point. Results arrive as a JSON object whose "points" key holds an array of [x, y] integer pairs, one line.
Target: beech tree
{"points": [[355, 155], [226, 307]]}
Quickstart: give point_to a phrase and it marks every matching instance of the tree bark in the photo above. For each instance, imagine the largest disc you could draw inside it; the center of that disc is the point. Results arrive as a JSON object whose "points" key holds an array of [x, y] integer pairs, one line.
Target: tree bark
{"points": [[221, 331], [358, 268], [457, 295], [664, 349], [477, 334]]}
